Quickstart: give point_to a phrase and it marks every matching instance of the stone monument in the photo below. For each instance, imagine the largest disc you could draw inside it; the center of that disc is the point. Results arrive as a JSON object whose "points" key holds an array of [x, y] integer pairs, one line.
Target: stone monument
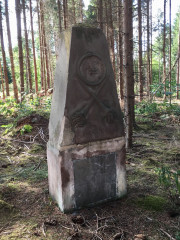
{"points": [[86, 148]]}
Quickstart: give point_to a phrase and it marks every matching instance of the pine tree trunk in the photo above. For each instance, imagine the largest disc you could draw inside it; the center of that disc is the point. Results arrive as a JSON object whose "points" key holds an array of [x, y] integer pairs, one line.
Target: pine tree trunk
{"points": [[59, 15], [128, 71], [65, 10], [107, 23], [15, 89], [2, 80], [4, 54], [45, 49], [170, 43], [18, 16], [164, 50], [100, 14], [27, 48], [81, 10], [178, 67], [111, 35], [121, 79], [33, 46], [151, 27], [74, 11], [40, 42], [148, 54], [140, 63]]}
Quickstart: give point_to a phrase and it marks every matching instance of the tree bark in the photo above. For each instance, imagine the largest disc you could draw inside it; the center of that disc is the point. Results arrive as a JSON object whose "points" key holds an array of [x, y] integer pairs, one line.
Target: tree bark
{"points": [[121, 79], [27, 48], [2, 80], [178, 67], [128, 71], [164, 49], [4, 54], [111, 35], [33, 46], [140, 63], [100, 14], [65, 10], [45, 48], [74, 11], [15, 89], [81, 10], [40, 42], [170, 43], [59, 15], [148, 54], [19, 36]]}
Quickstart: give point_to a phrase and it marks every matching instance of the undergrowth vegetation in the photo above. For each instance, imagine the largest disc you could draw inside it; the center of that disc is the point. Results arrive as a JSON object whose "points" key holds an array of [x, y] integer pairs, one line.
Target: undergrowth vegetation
{"points": [[150, 108], [10, 108], [153, 178]]}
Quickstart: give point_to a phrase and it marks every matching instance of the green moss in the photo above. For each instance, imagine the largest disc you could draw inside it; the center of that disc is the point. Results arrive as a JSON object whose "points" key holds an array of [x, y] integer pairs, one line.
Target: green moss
{"points": [[154, 203]]}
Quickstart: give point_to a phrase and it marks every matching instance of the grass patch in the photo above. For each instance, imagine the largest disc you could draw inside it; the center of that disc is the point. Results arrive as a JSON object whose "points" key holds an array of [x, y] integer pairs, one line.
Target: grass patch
{"points": [[36, 148], [33, 175]]}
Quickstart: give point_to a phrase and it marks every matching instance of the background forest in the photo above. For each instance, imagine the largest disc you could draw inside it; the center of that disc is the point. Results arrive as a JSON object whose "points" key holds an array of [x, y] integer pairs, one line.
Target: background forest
{"points": [[144, 49], [144, 46]]}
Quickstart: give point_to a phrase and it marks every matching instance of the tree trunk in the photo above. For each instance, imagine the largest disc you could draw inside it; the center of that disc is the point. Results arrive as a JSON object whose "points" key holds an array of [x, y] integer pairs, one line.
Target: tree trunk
{"points": [[18, 16], [170, 43], [107, 23], [111, 35], [128, 71], [178, 67], [2, 80], [81, 10], [148, 54], [40, 41], [100, 14], [27, 48], [33, 46], [65, 9], [15, 89], [4, 54], [74, 11], [44, 62], [59, 15], [121, 79], [45, 48], [164, 50], [140, 63]]}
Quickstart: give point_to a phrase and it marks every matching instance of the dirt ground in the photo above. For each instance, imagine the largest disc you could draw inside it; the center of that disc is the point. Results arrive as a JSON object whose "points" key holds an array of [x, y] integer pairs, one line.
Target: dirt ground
{"points": [[28, 212]]}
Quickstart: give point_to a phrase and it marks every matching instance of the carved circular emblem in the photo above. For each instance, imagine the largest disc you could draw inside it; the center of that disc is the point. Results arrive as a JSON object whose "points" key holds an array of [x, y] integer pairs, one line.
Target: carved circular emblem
{"points": [[92, 69]]}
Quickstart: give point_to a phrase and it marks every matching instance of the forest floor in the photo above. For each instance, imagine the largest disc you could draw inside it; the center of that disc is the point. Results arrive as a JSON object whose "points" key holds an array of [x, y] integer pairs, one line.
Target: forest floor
{"points": [[149, 211]]}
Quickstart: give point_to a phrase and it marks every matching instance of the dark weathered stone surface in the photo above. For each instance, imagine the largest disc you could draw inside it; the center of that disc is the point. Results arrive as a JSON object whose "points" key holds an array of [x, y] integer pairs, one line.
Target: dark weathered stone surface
{"points": [[95, 179], [92, 105]]}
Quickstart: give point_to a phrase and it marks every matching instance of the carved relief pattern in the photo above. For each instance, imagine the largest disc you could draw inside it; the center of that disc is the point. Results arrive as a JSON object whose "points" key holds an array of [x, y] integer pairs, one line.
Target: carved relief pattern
{"points": [[92, 69]]}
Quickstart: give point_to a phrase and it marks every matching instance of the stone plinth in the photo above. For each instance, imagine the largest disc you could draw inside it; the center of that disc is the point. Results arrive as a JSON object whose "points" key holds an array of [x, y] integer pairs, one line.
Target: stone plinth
{"points": [[86, 153]]}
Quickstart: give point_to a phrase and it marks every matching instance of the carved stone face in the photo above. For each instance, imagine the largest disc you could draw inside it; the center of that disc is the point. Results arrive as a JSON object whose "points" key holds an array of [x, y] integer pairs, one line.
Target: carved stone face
{"points": [[92, 69]]}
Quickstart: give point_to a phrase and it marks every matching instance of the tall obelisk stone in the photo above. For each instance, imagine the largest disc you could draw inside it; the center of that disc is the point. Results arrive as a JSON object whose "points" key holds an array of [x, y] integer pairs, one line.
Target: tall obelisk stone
{"points": [[86, 150]]}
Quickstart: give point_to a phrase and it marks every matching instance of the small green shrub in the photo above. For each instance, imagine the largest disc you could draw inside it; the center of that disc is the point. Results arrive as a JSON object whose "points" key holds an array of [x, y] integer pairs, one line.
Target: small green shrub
{"points": [[26, 129]]}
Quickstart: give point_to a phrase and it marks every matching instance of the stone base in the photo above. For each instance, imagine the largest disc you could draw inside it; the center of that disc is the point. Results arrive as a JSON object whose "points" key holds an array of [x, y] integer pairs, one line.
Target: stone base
{"points": [[88, 174]]}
